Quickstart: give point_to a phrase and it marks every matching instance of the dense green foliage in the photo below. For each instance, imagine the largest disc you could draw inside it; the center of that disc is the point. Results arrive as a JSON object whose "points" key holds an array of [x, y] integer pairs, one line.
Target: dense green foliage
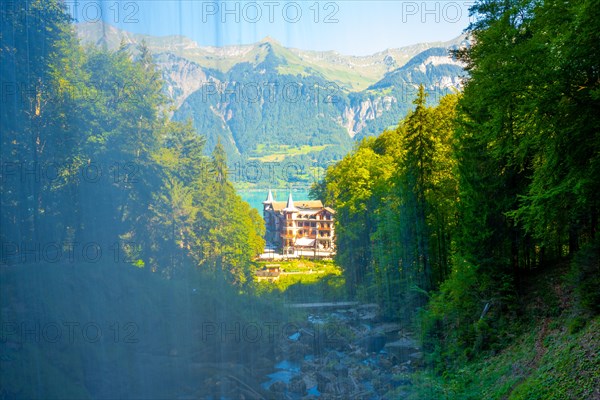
{"points": [[527, 146], [546, 357], [90, 157], [395, 200], [442, 218], [113, 217]]}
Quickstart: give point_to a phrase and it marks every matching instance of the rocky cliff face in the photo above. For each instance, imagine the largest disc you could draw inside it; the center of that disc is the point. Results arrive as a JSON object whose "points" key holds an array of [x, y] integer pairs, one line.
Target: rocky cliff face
{"points": [[258, 104], [182, 77], [355, 118]]}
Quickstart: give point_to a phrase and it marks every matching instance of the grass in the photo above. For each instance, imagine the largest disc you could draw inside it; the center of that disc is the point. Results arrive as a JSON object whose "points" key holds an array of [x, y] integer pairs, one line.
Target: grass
{"points": [[298, 283], [303, 265], [352, 81], [554, 353], [568, 367], [278, 153]]}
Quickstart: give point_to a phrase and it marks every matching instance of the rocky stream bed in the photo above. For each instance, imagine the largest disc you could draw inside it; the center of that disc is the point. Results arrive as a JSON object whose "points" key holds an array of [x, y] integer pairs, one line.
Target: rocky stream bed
{"points": [[344, 354]]}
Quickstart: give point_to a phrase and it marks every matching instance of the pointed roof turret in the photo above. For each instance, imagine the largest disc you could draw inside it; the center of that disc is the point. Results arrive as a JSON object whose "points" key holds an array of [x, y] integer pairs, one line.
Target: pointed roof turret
{"points": [[290, 204], [269, 199]]}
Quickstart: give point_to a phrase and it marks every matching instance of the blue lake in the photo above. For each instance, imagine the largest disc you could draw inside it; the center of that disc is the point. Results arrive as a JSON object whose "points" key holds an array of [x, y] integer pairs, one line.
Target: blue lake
{"points": [[256, 196]]}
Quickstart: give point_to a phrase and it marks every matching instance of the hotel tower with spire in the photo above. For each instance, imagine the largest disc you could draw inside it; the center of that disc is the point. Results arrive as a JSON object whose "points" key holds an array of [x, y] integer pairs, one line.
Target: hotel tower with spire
{"points": [[299, 228]]}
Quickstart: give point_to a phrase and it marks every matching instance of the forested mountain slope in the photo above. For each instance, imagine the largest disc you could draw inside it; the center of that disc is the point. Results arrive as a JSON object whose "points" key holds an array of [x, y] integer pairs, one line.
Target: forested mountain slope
{"points": [[257, 98]]}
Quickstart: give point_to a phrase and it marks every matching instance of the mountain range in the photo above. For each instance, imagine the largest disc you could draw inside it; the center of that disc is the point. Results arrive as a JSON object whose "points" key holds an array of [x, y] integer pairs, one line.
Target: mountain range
{"points": [[270, 103]]}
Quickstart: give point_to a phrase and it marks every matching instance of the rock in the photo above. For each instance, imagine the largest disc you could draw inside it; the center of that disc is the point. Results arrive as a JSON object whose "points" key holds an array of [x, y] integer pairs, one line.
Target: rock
{"points": [[372, 344], [338, 343], [307, 335], [313, 339], [363, 373], [358, 354], [382, 383], [332, 356], [308, 366], [327, 396], [402, 394], [278, 387], [342, 388], [384, 363], [310, 381], [389, 328], [340, 370], [329, 389], [323, 379], [400, 381], [404, 342], [295, 351], [297, 385], [368, 314], [416, 359], [262, 366], [402, 349]]}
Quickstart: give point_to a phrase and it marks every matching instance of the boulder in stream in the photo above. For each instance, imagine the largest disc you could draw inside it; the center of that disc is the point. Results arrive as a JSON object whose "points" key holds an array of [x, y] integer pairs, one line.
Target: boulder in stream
{"points": [[402, 349], [297, 386], [372, 344]]}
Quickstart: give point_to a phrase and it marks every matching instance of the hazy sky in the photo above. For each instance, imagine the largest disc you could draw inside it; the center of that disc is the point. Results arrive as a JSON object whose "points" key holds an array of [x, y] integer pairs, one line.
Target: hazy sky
{"points": [[355, 27]]}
